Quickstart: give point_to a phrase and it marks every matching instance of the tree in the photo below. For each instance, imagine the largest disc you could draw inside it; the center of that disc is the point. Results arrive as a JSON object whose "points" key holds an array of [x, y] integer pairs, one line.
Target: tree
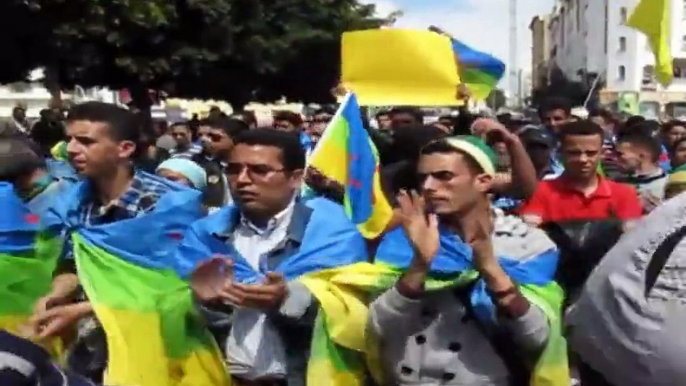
{"points": [[237, 50], [496, 99], [561, 86]]}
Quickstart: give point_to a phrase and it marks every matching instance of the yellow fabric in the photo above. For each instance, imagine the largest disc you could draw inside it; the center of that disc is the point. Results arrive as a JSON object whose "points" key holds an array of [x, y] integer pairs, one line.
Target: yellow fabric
{"points": [[386, 67], [341, 346], [131, 334], [652, 17]]}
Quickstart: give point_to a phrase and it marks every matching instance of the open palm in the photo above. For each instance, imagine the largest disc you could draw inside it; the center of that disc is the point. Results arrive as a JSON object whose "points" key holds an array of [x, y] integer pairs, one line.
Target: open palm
{"points": [[420, 228]]}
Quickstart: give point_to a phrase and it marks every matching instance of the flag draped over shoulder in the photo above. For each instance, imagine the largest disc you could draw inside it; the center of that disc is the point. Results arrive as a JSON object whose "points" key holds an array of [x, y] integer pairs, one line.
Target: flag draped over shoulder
{"points": [[347, 290], [479, 71], [346, 154], [28, 256], [330, 241], [155, 336], [653, 18]]}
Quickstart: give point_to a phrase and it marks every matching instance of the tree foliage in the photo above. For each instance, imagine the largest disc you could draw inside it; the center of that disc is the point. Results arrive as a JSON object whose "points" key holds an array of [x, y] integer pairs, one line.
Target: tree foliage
{"points": [[561, 86], [237, 50], [496, 99]]}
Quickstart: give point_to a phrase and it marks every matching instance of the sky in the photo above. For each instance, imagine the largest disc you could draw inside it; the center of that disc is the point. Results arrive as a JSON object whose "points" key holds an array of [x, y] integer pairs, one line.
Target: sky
{"points": [[482, 24]]}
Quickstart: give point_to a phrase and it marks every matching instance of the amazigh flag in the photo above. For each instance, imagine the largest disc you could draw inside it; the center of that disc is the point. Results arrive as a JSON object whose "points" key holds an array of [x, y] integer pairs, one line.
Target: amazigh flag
{"points": [[479, 71], [28, 256], [155, 336], [346, 154], [327, 242], [346, 291]]}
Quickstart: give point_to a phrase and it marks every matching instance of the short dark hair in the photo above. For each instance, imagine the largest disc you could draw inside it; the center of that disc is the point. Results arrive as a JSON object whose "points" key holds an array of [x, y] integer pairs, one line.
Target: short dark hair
{"points": [[443, 147], [382, 113], [19, 157], [47, 133], [123, 125], [580, 128], [644, 142], [409, 141], [232, 127], [667, 127], [607, 115], [180, 124], [246, 116], [292, 152], [555, 103], [645, 127], [415, 112], [293, 118]]}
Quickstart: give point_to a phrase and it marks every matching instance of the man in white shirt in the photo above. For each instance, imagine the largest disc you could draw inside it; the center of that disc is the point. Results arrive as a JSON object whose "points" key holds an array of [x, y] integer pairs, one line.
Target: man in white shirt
{"points": [[272, 322]]}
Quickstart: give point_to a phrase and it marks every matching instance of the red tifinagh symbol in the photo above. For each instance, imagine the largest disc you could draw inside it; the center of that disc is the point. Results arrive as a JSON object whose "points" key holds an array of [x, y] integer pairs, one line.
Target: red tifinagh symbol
{"points": [[32, 219], [355, 183], [175, 235]]}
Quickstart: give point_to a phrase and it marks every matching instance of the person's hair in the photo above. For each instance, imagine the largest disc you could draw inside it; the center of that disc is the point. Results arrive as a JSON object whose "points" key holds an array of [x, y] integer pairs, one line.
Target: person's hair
{"points": [[181, 124], [667, 127], [633, 121], [643, 142], [442, 147], [23, 159], [607, 115], [580, 128], [645, 127], [409, 141], [293, 118], [415, 112], [555, 103], [292, 152], [122, 124], [46, 133], [382, 113], [246, 116], [232, 127]]}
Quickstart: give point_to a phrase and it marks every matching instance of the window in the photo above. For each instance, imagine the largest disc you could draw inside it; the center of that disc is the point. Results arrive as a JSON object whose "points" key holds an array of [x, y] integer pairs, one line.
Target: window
{"points": [[621, 73], [623, 15], [622, 44], [648, 75], [683, 43], [683, 11]]}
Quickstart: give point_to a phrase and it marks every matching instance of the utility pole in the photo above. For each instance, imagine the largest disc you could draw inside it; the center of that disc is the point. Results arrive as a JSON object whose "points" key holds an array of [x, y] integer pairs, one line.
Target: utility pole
{"points": [[514, 63]]}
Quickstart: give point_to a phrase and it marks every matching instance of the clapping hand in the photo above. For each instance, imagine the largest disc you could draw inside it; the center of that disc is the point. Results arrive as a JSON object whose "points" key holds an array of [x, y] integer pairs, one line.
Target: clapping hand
{"points": [[213, 282], [421, 228]]}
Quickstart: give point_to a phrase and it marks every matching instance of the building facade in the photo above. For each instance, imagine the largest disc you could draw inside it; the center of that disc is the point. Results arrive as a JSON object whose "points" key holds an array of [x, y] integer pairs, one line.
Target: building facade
{"points": [[540, 55], [591, 37]]}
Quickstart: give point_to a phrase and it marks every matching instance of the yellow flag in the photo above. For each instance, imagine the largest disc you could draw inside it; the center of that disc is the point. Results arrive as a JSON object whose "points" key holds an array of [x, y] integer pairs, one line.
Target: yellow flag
{"points": [[652, 17], [386, 67]]}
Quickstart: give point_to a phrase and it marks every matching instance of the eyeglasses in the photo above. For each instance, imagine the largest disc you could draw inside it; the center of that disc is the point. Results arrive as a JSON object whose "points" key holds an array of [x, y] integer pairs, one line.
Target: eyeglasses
{"points": [[254, 170]]}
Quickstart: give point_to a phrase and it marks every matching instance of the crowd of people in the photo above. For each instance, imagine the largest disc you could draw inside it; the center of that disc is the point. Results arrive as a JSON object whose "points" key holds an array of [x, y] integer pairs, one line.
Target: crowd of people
{"points": [[501, 189]]}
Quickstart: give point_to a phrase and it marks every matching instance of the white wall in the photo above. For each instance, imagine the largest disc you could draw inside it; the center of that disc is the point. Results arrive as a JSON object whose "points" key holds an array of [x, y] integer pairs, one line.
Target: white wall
{"points": [[595, 45]]}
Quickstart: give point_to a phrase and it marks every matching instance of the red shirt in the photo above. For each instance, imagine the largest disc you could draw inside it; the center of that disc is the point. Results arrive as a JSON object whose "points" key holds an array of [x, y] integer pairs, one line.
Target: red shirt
{"points": [[556, 200]]}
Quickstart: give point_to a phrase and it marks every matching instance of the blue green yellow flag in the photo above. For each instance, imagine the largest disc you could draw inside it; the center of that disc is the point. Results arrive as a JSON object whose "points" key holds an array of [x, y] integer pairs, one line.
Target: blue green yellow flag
{"points": [[28, 256], [155, 336], [346, 154]]}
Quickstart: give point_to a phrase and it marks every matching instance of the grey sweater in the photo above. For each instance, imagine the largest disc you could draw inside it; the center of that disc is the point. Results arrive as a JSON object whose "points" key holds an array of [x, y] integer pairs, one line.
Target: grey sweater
{"points": [[433, 340]]}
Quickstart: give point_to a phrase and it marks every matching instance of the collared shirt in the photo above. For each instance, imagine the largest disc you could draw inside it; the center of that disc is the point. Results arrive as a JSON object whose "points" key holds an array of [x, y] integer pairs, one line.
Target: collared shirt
{"points": [[139, 198], [556, 200], [186, 154], [255, 349]]}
